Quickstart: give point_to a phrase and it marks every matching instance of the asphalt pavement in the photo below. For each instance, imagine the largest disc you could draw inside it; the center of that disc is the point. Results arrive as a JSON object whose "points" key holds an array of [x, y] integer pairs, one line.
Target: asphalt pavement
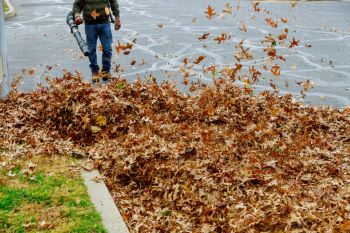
{"points": [[167, 31]]}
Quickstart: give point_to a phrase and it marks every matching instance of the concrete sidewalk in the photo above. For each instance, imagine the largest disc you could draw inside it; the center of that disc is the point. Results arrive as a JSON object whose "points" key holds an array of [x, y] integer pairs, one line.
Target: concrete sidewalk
{"points": [[104, 203]]}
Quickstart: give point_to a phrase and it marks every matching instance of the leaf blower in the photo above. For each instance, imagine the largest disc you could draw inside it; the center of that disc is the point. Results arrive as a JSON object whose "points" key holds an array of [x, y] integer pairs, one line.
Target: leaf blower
{"points": [[74, 29]]}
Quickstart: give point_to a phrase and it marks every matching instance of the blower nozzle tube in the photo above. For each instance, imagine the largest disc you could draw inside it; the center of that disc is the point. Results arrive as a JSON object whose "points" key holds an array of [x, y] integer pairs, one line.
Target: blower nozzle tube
{"points": [[74, 29]]}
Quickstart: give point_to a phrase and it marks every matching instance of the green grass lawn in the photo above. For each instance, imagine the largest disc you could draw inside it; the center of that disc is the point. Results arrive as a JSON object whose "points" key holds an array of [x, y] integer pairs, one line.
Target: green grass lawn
{"points": [[48, 198]]}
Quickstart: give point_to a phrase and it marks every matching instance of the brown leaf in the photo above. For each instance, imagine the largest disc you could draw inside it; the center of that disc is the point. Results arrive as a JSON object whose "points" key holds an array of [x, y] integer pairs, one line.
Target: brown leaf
{"points": [[294, 43], [121, 47], [345, 226], [243, 27], [199, 59], [284, 20], [276, 70], [222, 38], [31, 71], [256, 6], [204, 36], [210, 12], [282, 36], [185, 61], [271, 22]]}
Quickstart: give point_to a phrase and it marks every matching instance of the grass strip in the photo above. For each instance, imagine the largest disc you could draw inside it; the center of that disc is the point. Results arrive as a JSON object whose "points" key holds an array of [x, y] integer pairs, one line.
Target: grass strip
{"points": [[45, 194]]}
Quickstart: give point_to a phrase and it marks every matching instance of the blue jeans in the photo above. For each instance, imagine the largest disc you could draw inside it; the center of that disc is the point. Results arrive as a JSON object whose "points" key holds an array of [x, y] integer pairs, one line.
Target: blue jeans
{"points": [[102, 31]]}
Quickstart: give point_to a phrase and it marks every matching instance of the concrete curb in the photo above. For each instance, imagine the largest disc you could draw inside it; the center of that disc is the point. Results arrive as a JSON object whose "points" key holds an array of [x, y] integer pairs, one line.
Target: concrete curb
{"points": [[11, 12], [103, 201]]}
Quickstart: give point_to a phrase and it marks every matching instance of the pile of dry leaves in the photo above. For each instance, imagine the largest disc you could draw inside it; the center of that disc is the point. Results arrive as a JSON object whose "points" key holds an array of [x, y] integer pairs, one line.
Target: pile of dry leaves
{"points": [[217, 161]]}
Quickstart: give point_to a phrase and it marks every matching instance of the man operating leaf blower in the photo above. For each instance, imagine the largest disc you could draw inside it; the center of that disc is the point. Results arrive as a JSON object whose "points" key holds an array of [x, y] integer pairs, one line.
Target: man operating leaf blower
{"points": [[97, 15]]}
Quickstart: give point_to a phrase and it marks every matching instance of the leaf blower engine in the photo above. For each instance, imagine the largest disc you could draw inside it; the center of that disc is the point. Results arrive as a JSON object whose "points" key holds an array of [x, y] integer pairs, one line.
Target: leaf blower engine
{"points": [[74, 29]]}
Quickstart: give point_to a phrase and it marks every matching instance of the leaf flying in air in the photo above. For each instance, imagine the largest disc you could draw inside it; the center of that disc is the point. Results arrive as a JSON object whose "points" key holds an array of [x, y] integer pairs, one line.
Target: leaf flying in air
{"points": [[204, 36], [222, 38], [276, 70], [199, 59], [294, 43], [210, 12]]}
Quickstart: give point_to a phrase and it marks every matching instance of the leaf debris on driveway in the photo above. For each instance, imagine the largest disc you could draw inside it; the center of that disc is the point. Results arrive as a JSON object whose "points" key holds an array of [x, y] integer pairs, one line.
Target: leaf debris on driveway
{"points": [[219, 160]]}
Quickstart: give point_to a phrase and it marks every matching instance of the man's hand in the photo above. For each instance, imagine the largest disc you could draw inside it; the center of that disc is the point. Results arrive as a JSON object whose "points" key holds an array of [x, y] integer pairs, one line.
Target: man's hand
{"points": [[78, 20], [117, 24]]}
